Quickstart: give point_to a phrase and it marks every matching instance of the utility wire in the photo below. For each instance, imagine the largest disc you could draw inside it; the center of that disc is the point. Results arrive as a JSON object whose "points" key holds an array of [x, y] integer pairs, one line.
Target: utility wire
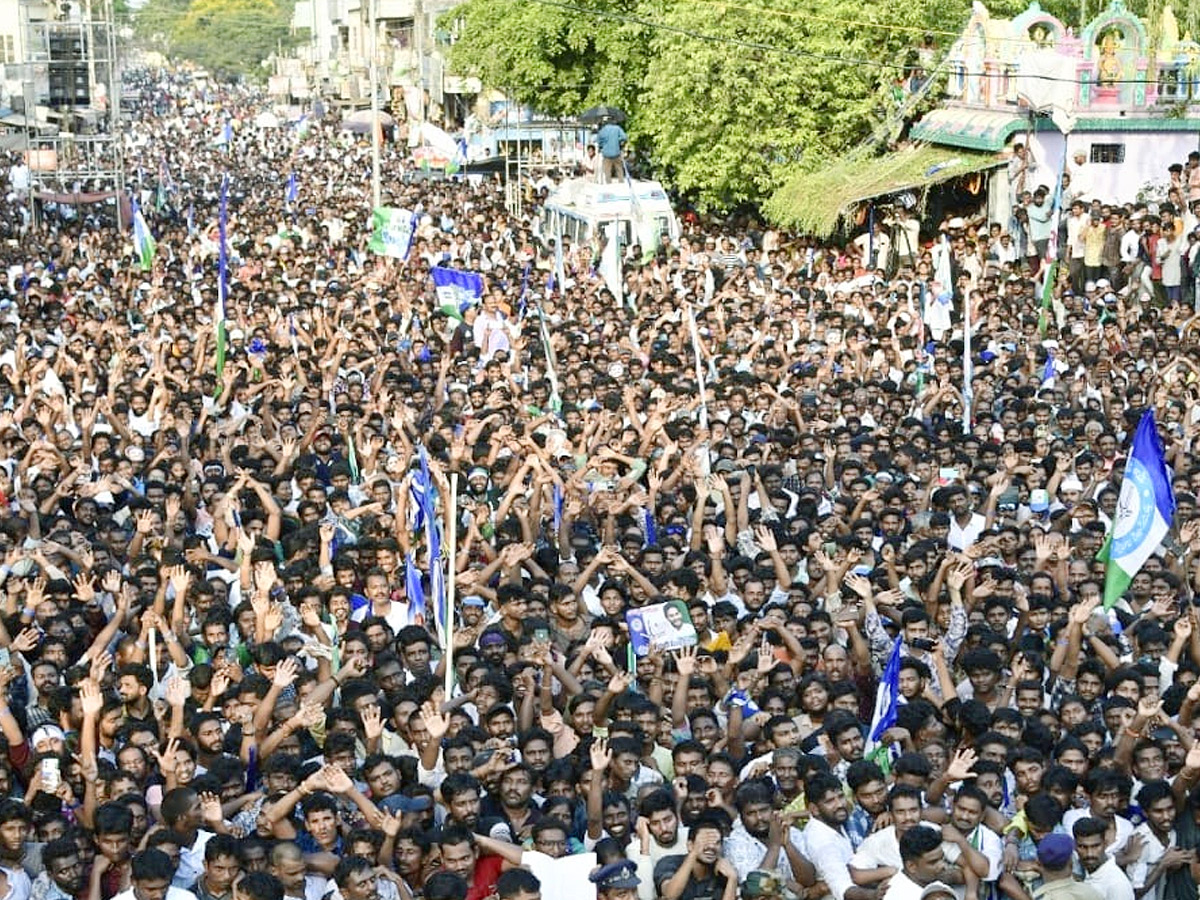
{"points": [[787, 51]]}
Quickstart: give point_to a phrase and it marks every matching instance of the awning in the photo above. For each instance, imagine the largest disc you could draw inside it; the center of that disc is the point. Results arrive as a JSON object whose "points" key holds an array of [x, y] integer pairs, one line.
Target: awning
{"points": [[813, 202], [974, 129]]}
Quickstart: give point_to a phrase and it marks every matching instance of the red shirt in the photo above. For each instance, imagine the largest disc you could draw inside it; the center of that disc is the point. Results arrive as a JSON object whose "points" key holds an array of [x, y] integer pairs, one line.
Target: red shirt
{"points": [[483, 882]]}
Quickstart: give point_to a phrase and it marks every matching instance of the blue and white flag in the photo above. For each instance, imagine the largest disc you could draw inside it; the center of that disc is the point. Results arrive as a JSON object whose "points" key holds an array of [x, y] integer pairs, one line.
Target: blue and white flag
{"points": [[1145, 510], [414, 589], [887, 701], [292, 191], [457, 291], [1048, 371]]}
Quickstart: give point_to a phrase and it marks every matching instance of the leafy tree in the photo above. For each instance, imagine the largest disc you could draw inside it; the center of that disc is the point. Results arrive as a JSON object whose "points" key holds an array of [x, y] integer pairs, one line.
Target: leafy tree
{"points": [[230, 37], [558, 61]]}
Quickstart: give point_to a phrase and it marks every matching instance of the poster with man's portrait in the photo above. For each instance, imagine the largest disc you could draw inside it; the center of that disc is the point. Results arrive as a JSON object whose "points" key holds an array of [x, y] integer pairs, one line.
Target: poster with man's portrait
{"points": [[663, 626]]}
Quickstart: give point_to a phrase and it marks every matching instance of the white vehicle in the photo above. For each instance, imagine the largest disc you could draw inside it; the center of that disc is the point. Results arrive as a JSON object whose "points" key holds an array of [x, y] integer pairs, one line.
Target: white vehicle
{"points": [[641, 210]]}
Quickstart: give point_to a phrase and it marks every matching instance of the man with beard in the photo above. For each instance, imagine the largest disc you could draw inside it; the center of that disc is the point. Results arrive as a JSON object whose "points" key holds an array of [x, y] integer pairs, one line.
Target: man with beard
{"points": [[460, 794], [63, 877], [221, 869], [659, 835], [210, 739], [878, 857], [1161, 854], [966, 818], [701, 873], [825, 840], [1100, 870], [460, 855], [517, 809], [133, 685], [763, 838], [924, 862]]}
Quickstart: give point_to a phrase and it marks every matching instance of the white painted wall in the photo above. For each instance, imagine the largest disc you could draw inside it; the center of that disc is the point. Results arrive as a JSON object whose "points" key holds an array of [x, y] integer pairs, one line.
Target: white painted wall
{"points": [[1147, 155]]}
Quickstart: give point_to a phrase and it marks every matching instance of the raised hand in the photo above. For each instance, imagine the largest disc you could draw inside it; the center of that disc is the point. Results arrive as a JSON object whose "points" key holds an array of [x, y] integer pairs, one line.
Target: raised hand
{"points": [[600, 755], [685, 661], [210, 808], [438, 724], [337, 781], [177, 691], [285, 673], [372, 719], [961, 766], [90, 697], [167, 762]]}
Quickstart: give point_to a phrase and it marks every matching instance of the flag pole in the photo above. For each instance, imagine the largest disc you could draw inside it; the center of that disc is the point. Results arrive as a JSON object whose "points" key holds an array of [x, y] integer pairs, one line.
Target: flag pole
{"points": [[452, 553]]}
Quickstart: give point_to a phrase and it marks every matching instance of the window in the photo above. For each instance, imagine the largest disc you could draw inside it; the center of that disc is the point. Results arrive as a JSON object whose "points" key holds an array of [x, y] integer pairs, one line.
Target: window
{"points": [[1108, 153], [8, 54]]}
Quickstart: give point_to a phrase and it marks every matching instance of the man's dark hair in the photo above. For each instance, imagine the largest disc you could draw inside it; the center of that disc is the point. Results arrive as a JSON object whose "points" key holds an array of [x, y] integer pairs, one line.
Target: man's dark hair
{"points": [[446, 886], [347, 867], [455, 834], [916, 842], [260, 886], [1088, 826], [820, 784], [175, 805], [152, 865], [60, 848], [517, 881], [220, 845], [113, 818], [14, 811]]}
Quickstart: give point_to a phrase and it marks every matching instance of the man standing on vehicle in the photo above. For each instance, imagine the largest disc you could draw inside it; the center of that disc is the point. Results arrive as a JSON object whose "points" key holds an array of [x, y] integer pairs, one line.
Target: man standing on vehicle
{"points": [[611, 138]]}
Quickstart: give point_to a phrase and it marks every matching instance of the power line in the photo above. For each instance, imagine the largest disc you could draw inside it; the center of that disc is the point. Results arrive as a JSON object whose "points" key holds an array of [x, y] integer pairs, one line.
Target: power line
{"points": [[787, 51]]}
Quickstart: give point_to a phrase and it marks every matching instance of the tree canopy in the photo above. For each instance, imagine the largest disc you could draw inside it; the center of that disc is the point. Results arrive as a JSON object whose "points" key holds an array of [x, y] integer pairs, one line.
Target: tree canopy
{"points": [[230, 37], [723, 96]]}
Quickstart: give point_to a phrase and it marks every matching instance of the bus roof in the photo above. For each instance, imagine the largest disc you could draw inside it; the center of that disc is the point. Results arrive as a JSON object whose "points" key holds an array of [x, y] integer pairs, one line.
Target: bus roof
{"points": [[586, 196]]}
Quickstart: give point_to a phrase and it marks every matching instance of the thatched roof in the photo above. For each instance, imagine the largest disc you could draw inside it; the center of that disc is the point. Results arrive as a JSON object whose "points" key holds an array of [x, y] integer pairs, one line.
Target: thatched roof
{"points": [[813, 201]]}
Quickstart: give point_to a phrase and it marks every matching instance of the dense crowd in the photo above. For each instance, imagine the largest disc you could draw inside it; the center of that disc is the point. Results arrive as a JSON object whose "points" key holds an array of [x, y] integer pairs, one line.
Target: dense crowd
{"points": [[223, 659]]}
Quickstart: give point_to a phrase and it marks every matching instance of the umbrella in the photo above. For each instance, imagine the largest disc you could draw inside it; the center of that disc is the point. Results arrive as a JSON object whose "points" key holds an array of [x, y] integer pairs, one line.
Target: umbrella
{"points": [[361, 121], [600, 113], [266, 120]]}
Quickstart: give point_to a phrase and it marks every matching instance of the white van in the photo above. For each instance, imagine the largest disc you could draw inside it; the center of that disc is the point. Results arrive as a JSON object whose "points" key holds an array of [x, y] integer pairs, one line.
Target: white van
{"points": [[641, 209]]}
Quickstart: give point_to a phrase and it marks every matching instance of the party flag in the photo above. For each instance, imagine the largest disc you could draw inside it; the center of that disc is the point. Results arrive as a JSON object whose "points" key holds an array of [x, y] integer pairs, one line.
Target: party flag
{"points": [[222, 271], [143, 240], [1145, 510], [887, 701]]}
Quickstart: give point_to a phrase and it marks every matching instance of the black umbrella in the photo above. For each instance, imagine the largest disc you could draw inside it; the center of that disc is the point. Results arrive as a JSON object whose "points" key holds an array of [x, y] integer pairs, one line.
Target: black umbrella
{"points": [[600, 113]]}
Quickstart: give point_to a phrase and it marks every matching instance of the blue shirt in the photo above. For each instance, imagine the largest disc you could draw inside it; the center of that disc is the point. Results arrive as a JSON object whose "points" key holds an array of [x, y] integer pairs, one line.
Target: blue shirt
{"points": [[610, 138]]}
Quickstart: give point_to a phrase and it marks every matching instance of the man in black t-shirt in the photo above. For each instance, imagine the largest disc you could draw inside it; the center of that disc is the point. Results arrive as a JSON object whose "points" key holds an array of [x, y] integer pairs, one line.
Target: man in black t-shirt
{"points": [[701, 873]]}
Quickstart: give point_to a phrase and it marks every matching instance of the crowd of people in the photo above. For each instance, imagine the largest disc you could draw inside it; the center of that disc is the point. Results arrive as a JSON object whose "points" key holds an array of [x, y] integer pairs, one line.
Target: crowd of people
{"points": [[691, 524]]}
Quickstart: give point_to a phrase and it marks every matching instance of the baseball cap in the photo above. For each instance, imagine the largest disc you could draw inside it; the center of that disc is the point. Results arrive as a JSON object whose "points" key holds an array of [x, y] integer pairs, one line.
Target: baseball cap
{"points": [[1056, 850]]}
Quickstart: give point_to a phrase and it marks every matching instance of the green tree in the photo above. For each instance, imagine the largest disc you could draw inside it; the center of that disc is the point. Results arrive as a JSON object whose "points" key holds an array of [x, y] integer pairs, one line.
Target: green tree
{"points": [[230, 37], [559, 61]]}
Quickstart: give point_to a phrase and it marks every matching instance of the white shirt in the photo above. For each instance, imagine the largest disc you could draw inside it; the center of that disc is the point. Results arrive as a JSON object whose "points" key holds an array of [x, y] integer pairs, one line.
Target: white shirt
{"points": [[1152, 852], [878, 849], [173, 893], [903, 888], [1124, 830], [19, 885], [830, 851], [986, 842], [962, 537], [1109, 880]]}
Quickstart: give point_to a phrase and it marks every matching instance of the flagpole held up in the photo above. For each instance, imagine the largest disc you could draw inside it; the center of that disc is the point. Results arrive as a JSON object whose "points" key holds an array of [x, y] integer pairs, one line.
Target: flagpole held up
{"points": [[452, 553]]}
